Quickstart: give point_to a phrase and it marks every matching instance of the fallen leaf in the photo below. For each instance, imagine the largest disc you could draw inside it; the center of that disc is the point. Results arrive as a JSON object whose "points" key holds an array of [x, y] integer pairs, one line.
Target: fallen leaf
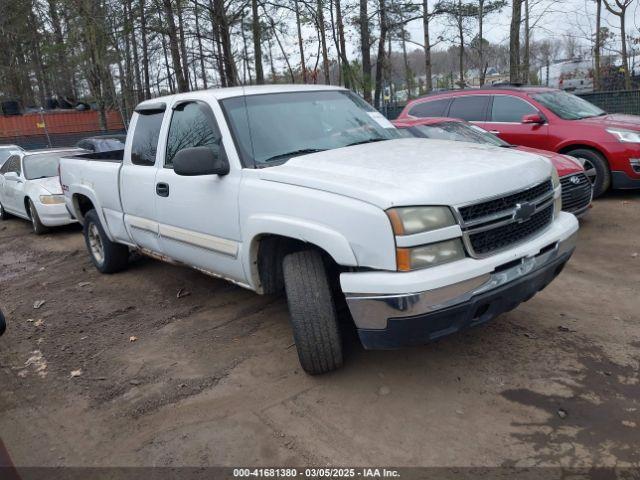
{"points": [[76, 373], [38, 303], [562, 413], [84, 284], [30, 320], [133, 338], [38, 323], [182, 293]]}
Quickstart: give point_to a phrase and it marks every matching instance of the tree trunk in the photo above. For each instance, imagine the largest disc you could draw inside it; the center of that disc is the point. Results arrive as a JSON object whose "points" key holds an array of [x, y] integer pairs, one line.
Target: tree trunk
{"points": [[257, 41], [460, 20], [527, 43], [323, 42], [514, 42], [145, 51], [174, 46], [482, 69], [408, 76], [625, 57], [63, 83], [596, 49], [380, 59], [365, 48], [200, 50], [225, 41], [427, 46], [303, 65], [183, 44], [346, 71]]}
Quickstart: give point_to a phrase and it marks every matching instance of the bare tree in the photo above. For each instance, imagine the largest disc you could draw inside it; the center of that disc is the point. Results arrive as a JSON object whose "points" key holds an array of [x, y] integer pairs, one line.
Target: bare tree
{"points": [[619, 9]]}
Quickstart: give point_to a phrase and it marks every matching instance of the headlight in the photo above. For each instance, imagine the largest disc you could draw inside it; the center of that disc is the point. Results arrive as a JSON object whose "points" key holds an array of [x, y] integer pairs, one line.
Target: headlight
{"points": [[429, 255], [410, 220], [555, 179], [626, 136], [51, 199]]}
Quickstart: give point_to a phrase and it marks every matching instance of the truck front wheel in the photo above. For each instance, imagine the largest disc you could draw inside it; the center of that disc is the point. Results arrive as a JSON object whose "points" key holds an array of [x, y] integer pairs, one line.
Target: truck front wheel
{"points": [[107, 256], [313, 312]]}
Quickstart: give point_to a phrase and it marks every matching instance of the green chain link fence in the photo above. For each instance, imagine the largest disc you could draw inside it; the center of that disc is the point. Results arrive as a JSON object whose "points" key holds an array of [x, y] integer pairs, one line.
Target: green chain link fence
{"points": [[622, 101]]}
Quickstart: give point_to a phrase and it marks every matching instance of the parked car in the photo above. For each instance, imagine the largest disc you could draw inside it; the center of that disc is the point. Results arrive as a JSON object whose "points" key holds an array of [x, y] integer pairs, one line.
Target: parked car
{"points": [[30, 188], [7, 150], [310, 191], [608, 145], [576, 187], [102, 143]]}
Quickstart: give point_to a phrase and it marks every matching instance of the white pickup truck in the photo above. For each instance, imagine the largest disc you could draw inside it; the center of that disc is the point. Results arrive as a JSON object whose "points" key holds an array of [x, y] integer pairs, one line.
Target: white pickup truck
{"points": [[308, 190]]}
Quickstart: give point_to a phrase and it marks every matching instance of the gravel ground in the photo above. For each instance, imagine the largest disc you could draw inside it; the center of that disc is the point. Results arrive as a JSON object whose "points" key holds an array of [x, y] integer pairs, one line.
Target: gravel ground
{"points": [[123, 370]]}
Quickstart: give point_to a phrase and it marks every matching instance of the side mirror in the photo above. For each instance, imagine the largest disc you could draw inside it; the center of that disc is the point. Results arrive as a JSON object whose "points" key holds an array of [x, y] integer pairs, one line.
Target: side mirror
{"points": [[194, 161], [11, 176], [532, 118]]}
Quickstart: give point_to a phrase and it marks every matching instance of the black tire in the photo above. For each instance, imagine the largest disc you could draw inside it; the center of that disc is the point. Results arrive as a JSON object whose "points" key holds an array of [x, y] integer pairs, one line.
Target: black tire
{"points": [[38, 227], [595, 162], [312, 311], [115, 256], [3, 213], [3, 324]]}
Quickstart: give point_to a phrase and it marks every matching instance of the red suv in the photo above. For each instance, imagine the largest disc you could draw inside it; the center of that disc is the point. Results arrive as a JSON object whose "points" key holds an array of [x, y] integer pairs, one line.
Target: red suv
{"points": [[608, 145]]}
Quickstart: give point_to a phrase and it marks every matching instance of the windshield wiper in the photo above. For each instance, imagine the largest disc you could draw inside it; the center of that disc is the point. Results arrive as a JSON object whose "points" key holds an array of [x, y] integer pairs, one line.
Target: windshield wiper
{"points": [[302, 151], [368, 140]]}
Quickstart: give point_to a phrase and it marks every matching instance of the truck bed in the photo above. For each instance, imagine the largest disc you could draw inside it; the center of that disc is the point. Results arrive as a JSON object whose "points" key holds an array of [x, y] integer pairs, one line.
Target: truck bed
{"points": [[115, 156]]}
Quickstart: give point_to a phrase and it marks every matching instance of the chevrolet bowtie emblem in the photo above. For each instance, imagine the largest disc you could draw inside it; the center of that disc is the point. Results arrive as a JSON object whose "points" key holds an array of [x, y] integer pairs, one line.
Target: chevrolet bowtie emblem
{"points": [[524, 211]]}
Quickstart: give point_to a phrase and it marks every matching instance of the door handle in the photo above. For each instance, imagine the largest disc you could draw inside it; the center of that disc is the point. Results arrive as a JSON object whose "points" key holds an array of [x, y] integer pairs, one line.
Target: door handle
{"points": [[162, 189]]}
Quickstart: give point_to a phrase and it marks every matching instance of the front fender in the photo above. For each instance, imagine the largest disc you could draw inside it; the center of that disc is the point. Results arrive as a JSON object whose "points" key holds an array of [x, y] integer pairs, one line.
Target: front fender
{"points": [[329, 240]]}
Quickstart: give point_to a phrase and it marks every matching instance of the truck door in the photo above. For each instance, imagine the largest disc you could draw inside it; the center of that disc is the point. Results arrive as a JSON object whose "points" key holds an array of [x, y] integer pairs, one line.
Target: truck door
{"points": [[198, 215], [138, 174]]}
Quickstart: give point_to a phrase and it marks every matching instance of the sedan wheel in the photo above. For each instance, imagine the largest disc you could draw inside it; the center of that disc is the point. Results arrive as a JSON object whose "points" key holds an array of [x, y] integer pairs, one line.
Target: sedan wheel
{"points": [[38, 226]]}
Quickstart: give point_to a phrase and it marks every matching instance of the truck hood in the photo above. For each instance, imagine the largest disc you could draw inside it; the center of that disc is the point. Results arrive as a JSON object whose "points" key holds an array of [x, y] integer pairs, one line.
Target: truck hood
{"points": [[414, 171], [51, 184], [616, 120]]}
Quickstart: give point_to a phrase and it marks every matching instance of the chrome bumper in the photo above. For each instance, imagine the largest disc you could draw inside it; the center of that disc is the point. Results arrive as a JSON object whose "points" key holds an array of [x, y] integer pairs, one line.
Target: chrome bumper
{"points": [[372, 312]]}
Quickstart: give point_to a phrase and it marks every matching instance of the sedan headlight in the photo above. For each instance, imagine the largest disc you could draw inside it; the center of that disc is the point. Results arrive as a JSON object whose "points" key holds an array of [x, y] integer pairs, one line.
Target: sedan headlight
{"points": [[51, 199], [626, 136], [429, 255], [410, 220]]}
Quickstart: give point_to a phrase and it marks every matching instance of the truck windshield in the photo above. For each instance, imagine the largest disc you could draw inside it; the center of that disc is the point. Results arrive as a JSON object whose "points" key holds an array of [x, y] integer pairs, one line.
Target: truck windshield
{"points": [[269, 129], [457, 131], [42, 165], [568, 106]]}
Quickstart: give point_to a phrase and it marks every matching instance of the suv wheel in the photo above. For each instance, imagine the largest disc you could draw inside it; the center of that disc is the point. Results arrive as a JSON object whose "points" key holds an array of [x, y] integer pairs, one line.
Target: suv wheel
{"points": [[313, 312], [38, 226], [107, 256], [596, 168]]}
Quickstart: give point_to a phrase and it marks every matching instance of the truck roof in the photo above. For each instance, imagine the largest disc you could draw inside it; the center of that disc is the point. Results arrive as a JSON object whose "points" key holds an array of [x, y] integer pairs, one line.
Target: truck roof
{"points": [[228, 92]]}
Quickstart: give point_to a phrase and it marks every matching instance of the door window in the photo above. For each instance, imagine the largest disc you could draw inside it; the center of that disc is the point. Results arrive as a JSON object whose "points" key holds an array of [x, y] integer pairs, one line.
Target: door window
{"points": [[145, 138], [434, 108], [508, 109], [192, 125], [11, 165], [472, 108]]}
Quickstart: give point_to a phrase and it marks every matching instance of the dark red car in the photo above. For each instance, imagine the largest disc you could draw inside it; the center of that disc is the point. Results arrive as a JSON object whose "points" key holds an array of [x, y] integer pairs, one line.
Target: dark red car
{"points": [[608, 145], [576, 187]]}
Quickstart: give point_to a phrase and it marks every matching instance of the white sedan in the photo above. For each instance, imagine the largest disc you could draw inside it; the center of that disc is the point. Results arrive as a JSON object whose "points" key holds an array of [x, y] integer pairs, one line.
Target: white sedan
{"points": [[30, 188]]}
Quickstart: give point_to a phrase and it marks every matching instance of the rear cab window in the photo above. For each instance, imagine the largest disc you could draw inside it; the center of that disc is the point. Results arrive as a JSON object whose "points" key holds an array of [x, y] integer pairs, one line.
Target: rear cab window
{"points": [[144, 145]]}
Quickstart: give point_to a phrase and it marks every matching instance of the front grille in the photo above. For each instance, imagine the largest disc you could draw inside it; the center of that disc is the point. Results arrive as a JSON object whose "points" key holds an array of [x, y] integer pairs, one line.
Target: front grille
{"points": [[501, 237], [491, 207], [576, 194]]}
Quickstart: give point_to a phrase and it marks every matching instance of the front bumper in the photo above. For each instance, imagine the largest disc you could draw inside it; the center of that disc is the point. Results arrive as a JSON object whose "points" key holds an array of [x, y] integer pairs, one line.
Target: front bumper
{"points": [[393, 320], [54, 215], [622, 181]]}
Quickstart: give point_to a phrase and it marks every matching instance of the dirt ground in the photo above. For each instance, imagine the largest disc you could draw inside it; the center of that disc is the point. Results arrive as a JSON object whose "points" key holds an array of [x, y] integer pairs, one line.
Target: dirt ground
{"points": [[212, 377]]}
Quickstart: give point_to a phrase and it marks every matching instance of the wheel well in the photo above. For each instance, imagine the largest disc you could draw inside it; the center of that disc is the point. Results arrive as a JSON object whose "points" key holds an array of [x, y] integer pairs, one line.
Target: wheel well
{"points": [[568, 148], [83, 204], [26, 206], [268, 252]]}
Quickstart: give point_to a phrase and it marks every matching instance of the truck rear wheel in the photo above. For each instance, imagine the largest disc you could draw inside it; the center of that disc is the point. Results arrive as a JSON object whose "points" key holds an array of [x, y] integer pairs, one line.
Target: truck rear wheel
{"points": [[312, 311], [107, 256]]}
